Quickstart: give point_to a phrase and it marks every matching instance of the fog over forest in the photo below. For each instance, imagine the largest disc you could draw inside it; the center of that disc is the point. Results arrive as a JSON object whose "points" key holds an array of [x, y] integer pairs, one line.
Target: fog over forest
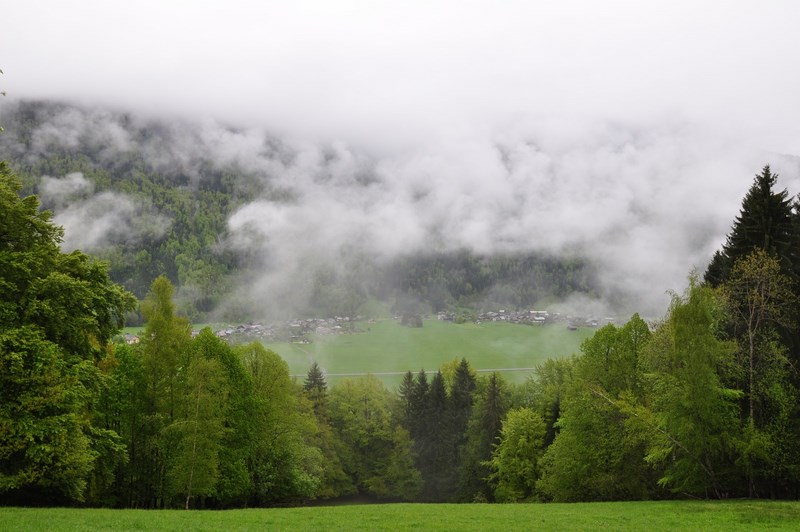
{"points": [[623, 133]]}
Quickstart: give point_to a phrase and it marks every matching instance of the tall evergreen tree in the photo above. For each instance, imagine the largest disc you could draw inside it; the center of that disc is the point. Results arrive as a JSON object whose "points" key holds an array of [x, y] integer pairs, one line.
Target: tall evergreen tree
{"points": [[418, 409], [405, 394], [435, 459], [316, 388], [764, 222], [460, 400], [483, 434]]}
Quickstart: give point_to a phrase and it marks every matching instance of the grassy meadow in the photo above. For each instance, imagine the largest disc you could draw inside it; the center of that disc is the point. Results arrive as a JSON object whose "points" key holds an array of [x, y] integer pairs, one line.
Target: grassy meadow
{"points": [[664, 515], [387, 347]]}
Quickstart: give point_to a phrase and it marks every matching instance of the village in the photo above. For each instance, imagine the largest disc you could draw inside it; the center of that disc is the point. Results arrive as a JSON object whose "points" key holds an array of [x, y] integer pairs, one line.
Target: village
{"points": [[299, 331]]}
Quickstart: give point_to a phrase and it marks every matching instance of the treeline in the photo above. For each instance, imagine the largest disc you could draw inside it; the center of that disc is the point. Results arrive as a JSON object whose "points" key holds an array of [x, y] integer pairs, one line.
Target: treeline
{"points": [[195, 194]]}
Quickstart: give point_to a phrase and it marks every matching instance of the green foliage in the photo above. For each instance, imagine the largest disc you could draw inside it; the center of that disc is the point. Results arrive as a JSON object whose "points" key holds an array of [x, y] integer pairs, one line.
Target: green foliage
{"points": [[594, 456], [43, 442], [194, 439], [694, 427], [166, 336], [759, 301], [544, 391], [58, 313], [316, 388], [765, 222], [483, 433], [515, 459], [375, 451], [282, 466]]}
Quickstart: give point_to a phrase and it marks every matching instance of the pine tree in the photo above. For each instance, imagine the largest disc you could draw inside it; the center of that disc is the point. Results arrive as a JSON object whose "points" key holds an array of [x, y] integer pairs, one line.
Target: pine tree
{"points": [[482, 434], [764, 222], [461, 399], [436, 456], [316, 388], [405, 394]]}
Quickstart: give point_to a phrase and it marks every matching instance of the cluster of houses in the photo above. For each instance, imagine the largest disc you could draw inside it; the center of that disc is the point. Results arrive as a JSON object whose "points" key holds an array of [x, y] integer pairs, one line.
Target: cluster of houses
{"points": [[295, 331], [298, 331], [531, 317]]}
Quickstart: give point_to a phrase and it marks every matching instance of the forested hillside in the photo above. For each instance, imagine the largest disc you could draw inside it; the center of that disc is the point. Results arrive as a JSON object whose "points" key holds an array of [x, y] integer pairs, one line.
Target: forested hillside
{"points": [[154, 199]]}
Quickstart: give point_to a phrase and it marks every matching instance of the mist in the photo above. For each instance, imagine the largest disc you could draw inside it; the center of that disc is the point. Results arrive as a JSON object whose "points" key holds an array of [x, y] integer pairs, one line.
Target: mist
{"points": [[623, 133]]}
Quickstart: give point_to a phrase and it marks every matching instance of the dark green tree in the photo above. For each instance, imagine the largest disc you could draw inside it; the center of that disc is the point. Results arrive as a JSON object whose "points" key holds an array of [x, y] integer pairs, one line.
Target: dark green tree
{"points": [[483, 434], [764, 222], [316, 388], [460, 402], [405, 395], [435, 458], [418, 410]]}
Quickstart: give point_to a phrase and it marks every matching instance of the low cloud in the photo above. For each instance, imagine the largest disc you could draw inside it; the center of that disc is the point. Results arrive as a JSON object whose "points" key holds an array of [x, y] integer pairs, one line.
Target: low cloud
{"points": [[645, 203], [93, 221]]}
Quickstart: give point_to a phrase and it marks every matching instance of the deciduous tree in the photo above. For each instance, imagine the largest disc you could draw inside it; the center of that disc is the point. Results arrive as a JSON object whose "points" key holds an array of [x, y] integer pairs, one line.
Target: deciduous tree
{"points": [[58, 312]]}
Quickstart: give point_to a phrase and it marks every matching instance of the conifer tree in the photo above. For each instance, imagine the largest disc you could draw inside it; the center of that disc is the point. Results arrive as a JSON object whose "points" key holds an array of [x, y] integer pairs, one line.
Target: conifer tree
{"points": [[405, 393], [316, 388], [435, 456], [482, 434], [764, 222]]}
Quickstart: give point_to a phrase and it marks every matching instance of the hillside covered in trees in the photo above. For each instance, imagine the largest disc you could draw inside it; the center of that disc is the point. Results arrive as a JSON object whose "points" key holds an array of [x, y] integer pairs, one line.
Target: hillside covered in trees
{"points": [[706, 403], [156, 199]]}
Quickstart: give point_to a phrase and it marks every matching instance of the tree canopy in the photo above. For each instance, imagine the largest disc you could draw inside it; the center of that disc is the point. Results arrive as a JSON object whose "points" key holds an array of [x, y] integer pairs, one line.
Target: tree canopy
{"points": [[58, 313]]}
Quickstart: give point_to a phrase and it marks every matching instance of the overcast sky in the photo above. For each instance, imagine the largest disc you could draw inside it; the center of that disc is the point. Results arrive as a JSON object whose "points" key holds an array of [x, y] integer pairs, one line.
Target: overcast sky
{"points": [[634, 127]]}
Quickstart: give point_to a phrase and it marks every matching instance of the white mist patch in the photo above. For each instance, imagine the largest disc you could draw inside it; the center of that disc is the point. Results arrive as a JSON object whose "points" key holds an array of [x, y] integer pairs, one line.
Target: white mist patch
{"points": [[92, 220], [70, 128]]}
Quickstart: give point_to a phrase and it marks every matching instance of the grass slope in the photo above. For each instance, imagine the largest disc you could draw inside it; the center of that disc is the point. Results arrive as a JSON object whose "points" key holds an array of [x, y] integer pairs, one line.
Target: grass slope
{"points": [[666, 515], [387, 346]]}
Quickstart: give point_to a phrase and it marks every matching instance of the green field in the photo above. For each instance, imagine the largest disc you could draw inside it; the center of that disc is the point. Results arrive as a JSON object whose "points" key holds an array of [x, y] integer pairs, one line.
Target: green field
{"points": [[387, 347], [667, 515]]}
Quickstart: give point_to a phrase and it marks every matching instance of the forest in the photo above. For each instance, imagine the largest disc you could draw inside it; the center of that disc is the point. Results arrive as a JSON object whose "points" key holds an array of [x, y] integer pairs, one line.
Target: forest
{"points": [[704, 403]]}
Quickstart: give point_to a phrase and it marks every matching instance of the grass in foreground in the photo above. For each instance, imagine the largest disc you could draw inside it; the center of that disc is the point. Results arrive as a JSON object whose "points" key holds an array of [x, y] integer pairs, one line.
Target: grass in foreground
{"points": [[666, 515]]}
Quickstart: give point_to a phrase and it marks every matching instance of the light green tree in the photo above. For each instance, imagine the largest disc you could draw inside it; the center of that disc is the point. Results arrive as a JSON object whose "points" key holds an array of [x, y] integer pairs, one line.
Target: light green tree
{"points": [[195, 436], [594, 456], [284, 463], [515, 459], [376, 450], [165, 338], [690, 418]]}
